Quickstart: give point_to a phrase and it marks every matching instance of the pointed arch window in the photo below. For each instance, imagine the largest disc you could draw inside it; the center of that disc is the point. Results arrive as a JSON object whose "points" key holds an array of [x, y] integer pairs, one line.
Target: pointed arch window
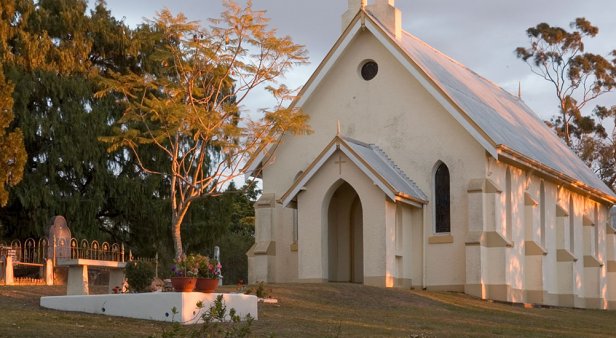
{"points": [[442, 199]]}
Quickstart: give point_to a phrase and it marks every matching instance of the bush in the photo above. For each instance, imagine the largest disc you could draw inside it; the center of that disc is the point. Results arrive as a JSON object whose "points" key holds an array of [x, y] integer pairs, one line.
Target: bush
{"points": [[139, 275], [218, 321], [233, 248]]}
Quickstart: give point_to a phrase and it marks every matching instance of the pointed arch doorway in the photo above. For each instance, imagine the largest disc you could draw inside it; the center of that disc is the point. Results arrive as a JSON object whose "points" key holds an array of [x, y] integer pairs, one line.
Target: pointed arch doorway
{"points": [[345, 236]]}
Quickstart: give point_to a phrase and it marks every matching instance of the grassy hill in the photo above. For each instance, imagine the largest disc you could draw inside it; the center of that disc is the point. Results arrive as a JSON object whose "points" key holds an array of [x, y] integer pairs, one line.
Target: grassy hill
{"points": [[326, 310]]}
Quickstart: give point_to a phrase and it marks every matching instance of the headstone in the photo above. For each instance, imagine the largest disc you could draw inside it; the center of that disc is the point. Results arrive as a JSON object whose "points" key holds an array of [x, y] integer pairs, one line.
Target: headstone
{"points": [[217, 253], [217, 257], [59, 238]]}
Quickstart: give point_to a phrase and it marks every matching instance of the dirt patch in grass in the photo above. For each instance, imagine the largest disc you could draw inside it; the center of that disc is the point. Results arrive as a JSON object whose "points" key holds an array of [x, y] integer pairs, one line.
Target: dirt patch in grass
{"points": [[325, 310]]}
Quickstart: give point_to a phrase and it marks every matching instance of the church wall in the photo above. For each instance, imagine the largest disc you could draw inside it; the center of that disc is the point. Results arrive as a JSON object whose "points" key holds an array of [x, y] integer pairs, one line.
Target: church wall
{"points": [[396, 113], [579, 278], [284, 235], [409, 247]]}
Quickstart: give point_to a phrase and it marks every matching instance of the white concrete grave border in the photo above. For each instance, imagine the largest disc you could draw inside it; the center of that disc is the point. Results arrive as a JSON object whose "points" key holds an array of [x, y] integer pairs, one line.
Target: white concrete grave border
{"points": [[154, 305]]}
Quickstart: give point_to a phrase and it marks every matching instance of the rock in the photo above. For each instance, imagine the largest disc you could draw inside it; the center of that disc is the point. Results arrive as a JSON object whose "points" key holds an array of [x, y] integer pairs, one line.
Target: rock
{"points": [[157, 285]]}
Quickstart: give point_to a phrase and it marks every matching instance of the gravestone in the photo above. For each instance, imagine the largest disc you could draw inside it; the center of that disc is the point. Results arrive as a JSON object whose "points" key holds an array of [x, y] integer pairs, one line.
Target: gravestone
{"points": [[59, 236]]}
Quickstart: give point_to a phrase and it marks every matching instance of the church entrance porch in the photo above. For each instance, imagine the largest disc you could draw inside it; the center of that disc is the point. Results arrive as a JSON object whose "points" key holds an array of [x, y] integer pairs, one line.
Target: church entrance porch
{"points": [[345, 236], [359, 218]]}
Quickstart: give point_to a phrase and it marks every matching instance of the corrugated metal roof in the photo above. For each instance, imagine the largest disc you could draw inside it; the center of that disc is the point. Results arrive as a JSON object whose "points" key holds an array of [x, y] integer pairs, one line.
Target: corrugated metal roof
{"points": [[500, 115], [373, 162], [387, 169]]}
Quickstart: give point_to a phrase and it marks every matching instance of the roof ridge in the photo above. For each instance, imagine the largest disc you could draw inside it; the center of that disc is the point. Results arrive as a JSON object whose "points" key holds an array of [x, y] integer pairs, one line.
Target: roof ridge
{"points": [[358, 142], [446, 56]]}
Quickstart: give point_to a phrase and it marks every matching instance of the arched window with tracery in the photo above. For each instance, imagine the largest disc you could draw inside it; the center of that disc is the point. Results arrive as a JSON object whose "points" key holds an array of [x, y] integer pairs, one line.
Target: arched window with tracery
{"points": [[442, 203]]}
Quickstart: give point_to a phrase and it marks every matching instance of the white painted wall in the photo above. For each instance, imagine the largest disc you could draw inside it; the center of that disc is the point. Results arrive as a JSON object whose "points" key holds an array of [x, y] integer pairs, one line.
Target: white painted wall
{"points": [[394, 112]]}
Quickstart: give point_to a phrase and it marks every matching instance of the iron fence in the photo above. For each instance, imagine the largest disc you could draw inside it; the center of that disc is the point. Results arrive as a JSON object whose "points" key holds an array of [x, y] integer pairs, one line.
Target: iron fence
{"points": [[35, 252]]}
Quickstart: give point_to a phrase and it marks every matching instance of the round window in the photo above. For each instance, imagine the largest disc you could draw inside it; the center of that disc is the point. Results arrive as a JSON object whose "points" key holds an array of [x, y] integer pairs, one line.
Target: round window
{"points": [[369, 70]]}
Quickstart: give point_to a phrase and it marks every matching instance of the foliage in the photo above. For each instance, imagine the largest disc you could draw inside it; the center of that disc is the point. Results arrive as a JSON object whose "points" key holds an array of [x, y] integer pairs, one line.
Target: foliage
{"points": [[579, 77], [186, 101], [233, 247], [260, 291], [226, 221], [240, 238], [187, 266], [218, 321], [209, 268], [52, 55], [12, 150], [139, 275]]}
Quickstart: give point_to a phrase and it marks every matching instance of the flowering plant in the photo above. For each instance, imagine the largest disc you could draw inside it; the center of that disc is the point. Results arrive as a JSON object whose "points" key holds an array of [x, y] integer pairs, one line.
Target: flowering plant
{"points": [[187, 266], [210, 268]]}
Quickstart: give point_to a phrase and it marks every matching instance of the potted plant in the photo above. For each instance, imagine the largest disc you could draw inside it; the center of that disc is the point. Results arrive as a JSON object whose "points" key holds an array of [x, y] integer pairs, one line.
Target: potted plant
{"points": [[210, 271], [185, 272]]}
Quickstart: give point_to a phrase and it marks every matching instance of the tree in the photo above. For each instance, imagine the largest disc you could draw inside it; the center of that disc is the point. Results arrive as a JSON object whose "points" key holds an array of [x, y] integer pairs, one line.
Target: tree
{"points": [[53, 52], [186, 101], [578, 78], [605, 154], [226, 221], [12, 149]]}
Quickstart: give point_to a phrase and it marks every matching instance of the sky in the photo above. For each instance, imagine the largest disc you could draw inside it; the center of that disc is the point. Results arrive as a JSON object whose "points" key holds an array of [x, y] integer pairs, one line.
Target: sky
{"points": [[481, 34]]}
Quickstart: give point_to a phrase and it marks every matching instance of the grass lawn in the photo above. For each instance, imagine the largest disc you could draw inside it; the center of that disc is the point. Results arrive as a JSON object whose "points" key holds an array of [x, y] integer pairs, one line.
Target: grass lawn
{"points": [[323, 310]]}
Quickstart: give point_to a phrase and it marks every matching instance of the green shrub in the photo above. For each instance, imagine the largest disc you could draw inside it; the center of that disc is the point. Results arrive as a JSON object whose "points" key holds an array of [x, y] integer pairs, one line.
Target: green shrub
{"points": [[233, 248], [139, 275], [217, 321]]}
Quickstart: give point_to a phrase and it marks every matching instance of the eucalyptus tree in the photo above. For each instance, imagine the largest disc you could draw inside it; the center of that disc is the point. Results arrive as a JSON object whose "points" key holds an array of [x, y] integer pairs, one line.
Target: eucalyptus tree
{"points": [[187, 103], [578, 78]]}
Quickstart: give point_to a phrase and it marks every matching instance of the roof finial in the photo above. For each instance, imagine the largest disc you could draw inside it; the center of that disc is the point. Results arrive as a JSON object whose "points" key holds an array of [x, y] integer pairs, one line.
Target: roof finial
{"points": [[338, 128], [520, 90]]}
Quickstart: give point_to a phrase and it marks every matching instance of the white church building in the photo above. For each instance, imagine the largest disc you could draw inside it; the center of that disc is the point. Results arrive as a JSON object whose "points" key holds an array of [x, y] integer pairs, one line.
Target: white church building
{"points": [[421, 173]]}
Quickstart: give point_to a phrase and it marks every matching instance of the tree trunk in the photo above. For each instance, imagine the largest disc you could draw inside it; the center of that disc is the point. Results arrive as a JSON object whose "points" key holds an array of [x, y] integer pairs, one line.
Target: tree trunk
{"points": [[176, 234], [176, 228], [563, 111]]}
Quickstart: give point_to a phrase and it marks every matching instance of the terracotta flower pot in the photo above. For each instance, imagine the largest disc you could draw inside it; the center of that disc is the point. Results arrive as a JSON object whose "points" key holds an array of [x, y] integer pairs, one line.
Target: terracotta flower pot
{"points": [[206, 285], [183, 284]]}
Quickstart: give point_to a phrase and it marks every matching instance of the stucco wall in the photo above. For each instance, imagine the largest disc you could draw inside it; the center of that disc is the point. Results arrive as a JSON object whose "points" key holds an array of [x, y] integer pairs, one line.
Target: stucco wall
{"points": [[568, 283], [396, 113], [313, 220]]}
